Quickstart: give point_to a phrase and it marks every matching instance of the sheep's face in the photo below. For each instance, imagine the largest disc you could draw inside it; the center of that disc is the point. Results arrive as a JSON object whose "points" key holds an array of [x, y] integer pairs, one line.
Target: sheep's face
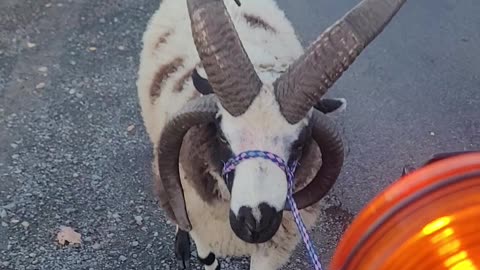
{"points": [[259, 187]]}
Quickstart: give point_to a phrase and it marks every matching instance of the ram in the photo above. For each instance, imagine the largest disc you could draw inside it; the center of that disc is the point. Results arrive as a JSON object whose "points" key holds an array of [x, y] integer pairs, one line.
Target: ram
{"points": [[218, 78]]}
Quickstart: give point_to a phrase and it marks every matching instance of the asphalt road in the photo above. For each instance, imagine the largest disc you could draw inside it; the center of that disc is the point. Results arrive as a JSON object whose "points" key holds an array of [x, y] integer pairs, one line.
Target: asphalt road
{"points": [[68, 157]]}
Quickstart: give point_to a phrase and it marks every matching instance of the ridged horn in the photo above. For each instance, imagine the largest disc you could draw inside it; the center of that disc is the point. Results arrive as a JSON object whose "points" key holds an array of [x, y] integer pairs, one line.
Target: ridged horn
{"points": [[228, 67], [325, 60], [201, 110]]}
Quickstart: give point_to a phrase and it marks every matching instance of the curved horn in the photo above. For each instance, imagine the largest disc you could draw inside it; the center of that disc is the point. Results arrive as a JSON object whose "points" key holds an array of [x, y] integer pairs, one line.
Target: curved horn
{"points": [[310, 76], [330, 143], [226, 63], [201, 110]]}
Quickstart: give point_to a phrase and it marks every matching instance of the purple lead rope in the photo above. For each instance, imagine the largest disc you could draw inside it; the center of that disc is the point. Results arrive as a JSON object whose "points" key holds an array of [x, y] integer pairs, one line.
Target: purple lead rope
{"points": [[232, 163]]}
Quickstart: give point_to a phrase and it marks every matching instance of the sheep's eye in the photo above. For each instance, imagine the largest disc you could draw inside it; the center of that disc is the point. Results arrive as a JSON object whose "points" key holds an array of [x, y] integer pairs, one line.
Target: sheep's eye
{"points": [[223, 139], [296, 152]]}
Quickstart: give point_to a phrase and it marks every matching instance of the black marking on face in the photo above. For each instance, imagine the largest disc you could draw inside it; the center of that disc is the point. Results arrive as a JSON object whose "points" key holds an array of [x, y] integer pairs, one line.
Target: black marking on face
{"points": [[296, 148], [223, 152]]}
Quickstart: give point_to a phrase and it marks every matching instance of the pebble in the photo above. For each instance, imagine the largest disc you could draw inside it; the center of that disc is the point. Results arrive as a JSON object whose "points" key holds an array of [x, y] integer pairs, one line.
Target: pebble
{"points": [[96, 246], [9, 206], [15, 156], [43, 69], [3, 213], [14, 221], [70, 210], [72, 91], [25, 224], [121, 48], [4, 224], [75, 174], [116, 216], [135, 243], [40, 85], [13, 145], [139, 220], [32, 255], [31, 45], [122, 258], [92, 49]]}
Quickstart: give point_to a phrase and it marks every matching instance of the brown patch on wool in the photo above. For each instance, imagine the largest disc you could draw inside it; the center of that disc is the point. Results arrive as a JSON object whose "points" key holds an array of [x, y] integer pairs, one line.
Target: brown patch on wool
{"points": [[163, 39], [256, 21], [181, 82], [162, 74]]}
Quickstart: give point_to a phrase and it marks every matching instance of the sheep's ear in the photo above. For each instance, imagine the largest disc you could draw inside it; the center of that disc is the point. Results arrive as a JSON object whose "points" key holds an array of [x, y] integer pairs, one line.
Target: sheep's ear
{"points": [[331, 105], [201, 84]]}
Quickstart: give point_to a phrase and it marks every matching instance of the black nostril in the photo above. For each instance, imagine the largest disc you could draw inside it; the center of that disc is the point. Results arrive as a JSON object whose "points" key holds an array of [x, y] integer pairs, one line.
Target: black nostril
{"points": [[245, 217], [266, 214]]}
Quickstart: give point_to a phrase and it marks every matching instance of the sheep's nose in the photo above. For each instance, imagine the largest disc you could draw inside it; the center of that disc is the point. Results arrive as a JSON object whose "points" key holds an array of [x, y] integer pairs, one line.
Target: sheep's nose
{"points": [[256, 225], [259, 221]]}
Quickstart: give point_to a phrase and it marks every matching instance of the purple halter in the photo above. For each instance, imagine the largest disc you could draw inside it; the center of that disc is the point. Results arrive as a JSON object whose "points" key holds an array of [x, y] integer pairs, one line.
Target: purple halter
{"points": [[289, 171]]}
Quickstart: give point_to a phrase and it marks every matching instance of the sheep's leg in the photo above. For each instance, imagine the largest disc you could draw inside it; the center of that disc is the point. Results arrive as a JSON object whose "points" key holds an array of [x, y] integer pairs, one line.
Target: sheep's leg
{"points": [[205, 255], [182, 249]]}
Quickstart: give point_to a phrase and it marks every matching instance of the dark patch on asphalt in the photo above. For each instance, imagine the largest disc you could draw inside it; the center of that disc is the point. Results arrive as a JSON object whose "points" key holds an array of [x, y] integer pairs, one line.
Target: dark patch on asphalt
{"points": [[340, 216]]}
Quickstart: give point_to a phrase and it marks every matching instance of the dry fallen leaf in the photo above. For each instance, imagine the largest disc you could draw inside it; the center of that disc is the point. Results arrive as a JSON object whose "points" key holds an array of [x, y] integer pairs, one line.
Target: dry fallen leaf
{"points": [[67, 236]]}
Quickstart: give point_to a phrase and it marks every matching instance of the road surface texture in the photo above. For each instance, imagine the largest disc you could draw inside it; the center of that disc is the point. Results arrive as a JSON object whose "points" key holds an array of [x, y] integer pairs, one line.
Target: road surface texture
{"points": [[73, 151]]}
